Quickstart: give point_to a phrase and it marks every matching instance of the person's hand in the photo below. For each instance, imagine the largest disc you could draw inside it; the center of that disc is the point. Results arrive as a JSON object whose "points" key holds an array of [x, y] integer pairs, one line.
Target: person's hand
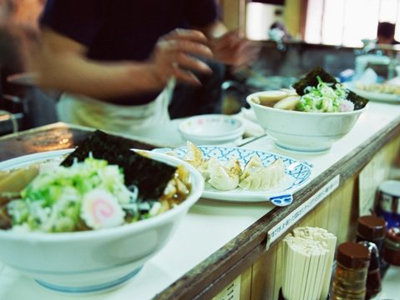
{"points": [[234, 50], [173, 56]]}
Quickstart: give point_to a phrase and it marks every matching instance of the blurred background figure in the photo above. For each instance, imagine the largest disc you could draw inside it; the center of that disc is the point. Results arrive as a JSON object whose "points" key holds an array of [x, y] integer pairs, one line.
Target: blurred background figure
{"points": [[18, 39], [279, 33], [386, 36], [230, 49], [6, 8], [385, 33], [122, 53]]}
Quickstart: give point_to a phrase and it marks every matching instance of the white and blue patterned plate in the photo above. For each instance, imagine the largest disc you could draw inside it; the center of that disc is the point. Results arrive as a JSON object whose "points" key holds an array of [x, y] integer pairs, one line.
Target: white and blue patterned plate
{"points": [[297, 175]]}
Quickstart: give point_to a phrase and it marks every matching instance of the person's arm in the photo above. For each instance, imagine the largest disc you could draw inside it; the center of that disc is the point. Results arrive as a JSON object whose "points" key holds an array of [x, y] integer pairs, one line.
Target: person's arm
{"points": [[214, 30], [229, 47], [62, 64]]}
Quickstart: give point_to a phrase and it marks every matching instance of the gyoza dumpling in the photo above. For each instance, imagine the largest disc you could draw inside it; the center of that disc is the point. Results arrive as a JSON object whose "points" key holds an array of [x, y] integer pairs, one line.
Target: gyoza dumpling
{"points": [[263, 178], [207, 167], [194, 156], [223, 178], [234, 167], [253, 164], [255, 180], [276, 173]]}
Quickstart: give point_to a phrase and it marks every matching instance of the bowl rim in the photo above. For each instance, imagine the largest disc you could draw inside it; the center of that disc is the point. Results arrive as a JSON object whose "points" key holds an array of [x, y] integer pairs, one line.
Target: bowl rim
{"points": [[230, 136], [238, 130], [196, 178], [250, 101]]}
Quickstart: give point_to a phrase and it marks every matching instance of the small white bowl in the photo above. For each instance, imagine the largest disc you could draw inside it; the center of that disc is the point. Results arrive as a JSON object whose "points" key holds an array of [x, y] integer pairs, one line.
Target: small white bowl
{"points": [[219, 141], [211, 129], [91, 261], [311, 132]]}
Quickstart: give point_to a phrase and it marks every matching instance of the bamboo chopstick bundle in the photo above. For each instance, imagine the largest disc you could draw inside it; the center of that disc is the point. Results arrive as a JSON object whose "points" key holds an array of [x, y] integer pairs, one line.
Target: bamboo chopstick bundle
{"points": [[307, 261], [304, 271], [330, 239]]}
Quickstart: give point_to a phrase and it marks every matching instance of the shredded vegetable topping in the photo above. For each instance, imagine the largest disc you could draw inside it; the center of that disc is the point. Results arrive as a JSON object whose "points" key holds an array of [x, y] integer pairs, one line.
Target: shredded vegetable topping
{"points": [[88, 195], [325, 97]]}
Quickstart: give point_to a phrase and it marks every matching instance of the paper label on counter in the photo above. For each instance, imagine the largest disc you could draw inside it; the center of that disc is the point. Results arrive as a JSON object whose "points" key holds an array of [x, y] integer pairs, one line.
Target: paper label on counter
{"points": [[231, 291], [282, 227]]}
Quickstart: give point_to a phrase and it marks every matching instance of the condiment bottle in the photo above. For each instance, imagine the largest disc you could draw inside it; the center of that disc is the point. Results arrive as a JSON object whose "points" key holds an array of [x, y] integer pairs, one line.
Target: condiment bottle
{"points": [[391, 248], [389, 202], [374, 283], [350, 277], [371, 229]]}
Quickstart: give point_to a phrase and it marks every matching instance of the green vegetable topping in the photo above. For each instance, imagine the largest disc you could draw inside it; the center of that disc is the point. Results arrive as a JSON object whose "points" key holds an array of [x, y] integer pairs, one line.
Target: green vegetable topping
{"points": [[54, 200], [325, 97]]}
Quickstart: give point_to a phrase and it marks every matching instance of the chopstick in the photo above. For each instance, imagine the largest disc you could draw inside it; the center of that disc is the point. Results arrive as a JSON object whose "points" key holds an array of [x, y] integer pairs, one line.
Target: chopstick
{"points": [[250, 140], [307, 263]]}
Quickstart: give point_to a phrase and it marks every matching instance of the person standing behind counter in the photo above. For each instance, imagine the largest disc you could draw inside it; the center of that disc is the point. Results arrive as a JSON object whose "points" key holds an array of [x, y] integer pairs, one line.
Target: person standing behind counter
{"points": [[385, 33], [113, 57]]}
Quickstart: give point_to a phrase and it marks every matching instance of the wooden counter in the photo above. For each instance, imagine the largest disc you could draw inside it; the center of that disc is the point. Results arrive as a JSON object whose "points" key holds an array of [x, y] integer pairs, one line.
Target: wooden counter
{"points": [[224, 244], [375, 140]]}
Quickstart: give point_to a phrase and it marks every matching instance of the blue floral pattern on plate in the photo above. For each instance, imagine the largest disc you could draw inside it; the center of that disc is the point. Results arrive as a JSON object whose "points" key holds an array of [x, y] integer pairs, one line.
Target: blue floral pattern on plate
{"points": [[298, 173]]}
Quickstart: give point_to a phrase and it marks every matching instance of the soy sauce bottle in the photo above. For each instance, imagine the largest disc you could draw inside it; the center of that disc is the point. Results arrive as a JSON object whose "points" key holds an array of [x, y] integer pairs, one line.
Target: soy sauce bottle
{"points": [[373, 229], [374, 282], [350, 277]]}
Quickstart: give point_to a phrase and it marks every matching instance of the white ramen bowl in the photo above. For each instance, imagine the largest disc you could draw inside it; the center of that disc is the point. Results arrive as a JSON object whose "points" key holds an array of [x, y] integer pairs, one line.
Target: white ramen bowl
{"points": [[311, 132], [90, 261], [211, 129]]}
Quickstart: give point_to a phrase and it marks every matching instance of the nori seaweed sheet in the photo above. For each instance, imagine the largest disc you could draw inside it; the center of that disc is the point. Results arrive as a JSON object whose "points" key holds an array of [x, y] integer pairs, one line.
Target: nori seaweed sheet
{"points": [[359, 102], [150, 176], [310, 79]]}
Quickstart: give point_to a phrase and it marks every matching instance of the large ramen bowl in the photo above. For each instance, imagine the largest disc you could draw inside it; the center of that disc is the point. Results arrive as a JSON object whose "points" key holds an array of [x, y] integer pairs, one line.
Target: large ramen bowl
{"points": [[311, 132], [89, 261]]}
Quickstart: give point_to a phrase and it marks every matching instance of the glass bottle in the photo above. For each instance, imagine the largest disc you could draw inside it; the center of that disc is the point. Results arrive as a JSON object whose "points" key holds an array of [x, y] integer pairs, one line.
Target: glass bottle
{"points": [[350, 277], [374, 282], [371, 229]]}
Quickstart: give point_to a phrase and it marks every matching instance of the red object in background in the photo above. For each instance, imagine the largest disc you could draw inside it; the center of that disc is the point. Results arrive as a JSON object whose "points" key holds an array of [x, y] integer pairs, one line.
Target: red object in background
{"points": [[391, 247]]}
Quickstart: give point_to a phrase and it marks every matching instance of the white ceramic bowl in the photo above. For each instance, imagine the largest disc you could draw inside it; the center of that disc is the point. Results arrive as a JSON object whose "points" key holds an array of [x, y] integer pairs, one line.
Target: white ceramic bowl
{"points": [[89, 261], [303, 131], [211, 129]]}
